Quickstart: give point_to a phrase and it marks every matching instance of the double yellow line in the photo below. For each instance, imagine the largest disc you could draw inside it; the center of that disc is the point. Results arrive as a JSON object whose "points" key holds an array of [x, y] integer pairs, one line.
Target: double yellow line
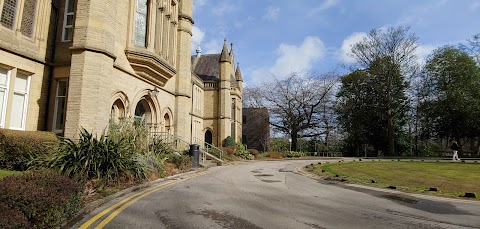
{"points": [[117, 208]]}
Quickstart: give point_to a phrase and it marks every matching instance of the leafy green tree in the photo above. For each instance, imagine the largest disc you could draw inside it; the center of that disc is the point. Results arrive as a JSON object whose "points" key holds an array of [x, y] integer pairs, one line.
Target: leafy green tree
{"points": [[387, 58], [367, 100], [353, 108], [451, 107]]}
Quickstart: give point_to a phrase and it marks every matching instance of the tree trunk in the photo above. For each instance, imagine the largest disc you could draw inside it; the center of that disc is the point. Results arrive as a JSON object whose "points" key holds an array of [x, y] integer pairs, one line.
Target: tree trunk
{"points": [[391, 134], [477, 148], [294, 136]]}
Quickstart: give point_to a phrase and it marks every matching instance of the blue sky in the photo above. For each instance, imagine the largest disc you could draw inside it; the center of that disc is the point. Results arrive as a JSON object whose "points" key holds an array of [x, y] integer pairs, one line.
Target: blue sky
{"points": [[313, 36]]}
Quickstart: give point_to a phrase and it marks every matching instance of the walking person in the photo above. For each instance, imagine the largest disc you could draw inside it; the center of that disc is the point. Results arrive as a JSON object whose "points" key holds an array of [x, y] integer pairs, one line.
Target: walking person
{"points": [[455, 148]]}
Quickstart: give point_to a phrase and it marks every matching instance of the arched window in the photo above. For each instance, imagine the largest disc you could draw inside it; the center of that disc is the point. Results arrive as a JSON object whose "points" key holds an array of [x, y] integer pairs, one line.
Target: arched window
{"points": [[117, 112], [166, 119], [142, 112]]}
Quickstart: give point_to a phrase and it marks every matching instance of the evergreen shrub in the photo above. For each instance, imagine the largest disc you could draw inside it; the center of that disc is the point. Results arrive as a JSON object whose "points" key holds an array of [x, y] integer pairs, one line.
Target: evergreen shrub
{"points": [[38, 200], [18, 148]]}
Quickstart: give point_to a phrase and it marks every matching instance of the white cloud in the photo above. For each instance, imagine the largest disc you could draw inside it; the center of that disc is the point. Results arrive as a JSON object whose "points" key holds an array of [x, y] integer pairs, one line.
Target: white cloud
{"points": [[197, 37], [347, 45], [212, 46], [423, 51], [327, 4], [291, 58], [198, 4], [272, 13], [223, 8], [475, 5]]}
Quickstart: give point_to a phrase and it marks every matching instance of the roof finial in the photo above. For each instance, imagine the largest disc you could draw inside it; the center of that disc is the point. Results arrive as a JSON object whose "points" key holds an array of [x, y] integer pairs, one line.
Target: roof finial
{"points": [[199, 51]]}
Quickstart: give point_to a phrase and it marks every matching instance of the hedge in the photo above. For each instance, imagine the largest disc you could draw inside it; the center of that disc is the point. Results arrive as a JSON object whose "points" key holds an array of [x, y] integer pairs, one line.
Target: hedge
{"points": [[38, 200], [17, 148]]}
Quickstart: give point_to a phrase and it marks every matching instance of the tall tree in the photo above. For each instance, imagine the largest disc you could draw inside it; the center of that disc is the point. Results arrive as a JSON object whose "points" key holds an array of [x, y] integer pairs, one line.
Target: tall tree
{"points": [[473, 47], [451, 108], [296, 103], [389, 57], [372, 106], [356, 114]]}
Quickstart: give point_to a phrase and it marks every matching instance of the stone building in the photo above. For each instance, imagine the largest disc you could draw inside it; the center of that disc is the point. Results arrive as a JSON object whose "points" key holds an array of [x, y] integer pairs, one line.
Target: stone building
{"points": [[256, 128], [67, 64]]}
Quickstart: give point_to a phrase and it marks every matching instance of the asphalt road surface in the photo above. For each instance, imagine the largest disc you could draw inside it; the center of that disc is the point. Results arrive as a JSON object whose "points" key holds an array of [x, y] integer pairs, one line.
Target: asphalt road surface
{"points": [[271, 194]]}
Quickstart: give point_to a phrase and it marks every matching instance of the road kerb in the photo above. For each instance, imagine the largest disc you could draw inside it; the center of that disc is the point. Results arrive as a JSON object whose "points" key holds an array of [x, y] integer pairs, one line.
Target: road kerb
{"points": [[115, 209], [300, 170]]}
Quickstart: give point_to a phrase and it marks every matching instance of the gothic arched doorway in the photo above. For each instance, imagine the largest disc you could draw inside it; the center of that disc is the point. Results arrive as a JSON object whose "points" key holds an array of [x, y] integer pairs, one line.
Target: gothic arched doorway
{"points": [[142, 112], [208, 137]]}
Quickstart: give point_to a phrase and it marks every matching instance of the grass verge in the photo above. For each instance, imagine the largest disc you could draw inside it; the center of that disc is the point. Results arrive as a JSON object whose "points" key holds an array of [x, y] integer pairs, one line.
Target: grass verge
{"points": [[451, 179], [4, 173]]}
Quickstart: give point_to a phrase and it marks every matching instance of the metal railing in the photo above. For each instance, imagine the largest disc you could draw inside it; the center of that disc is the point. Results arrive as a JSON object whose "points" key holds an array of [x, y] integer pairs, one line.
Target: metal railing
{"points": [[209, 148], [175, 143], [178, 144]]}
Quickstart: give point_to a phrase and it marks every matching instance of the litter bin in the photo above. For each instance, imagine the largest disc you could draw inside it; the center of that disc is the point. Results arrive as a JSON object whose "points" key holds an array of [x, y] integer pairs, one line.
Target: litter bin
{"points": [[195, 151]]}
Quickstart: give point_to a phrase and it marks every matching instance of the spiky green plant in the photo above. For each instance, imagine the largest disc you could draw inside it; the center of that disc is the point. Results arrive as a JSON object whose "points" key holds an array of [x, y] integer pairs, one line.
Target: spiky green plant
{"points": [[134, 132], [100, 158]]}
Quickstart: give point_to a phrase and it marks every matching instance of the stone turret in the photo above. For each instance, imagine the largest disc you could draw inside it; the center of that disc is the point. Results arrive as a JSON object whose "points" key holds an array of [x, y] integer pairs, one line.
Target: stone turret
{"points": [[225, 56], [225, 102], [239, 77]]}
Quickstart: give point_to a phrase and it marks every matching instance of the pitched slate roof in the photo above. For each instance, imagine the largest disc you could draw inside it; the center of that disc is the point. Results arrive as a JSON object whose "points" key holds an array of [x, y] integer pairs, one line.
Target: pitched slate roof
{"points": [[206, 66]]}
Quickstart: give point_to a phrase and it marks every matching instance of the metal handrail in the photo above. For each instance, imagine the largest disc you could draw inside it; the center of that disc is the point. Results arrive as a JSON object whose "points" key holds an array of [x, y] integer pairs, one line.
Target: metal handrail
{"points": [[171, 139], [177, 141], [207, 146]]}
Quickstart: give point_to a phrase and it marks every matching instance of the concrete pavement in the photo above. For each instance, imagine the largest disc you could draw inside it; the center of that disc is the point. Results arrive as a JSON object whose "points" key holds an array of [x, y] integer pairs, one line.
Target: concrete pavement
{"points": [[270, 194]]}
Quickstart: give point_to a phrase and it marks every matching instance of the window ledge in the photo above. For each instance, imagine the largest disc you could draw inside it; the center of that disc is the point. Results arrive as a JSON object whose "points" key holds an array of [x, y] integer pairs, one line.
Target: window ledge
{"points": [[150, 66]]}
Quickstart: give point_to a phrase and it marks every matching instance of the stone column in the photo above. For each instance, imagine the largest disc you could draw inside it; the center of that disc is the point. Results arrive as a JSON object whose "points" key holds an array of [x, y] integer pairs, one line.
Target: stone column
{"points": [[183, 87], [91, 67]]}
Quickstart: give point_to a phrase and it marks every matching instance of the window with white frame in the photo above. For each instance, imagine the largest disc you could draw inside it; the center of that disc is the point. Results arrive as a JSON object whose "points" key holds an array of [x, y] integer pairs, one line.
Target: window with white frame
{"points": [[4, 81], [18, 113], [60, 106], [140, 31], [67, 34]]}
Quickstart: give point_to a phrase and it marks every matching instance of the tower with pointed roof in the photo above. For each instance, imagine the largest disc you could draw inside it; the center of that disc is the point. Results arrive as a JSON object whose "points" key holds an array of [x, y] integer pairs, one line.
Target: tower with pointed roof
{"points": [[222, 93]]}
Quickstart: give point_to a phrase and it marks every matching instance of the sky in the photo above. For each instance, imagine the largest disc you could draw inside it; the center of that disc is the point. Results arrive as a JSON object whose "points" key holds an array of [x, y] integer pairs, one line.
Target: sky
{"points": [[277, 37]]}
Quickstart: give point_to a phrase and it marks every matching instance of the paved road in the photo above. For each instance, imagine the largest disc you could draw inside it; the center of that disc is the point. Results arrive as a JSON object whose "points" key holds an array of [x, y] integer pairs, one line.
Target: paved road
{"points": [[269, 194]]}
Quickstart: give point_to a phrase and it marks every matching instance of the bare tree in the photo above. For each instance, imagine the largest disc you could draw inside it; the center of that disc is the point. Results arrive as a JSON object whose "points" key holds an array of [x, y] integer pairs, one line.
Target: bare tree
{"points": [[473, 47], [296, 103]]}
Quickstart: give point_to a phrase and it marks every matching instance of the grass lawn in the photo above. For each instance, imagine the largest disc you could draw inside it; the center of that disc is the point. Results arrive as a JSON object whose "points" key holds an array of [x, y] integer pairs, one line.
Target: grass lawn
{"points": [[451, 179], [4, 173]]}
